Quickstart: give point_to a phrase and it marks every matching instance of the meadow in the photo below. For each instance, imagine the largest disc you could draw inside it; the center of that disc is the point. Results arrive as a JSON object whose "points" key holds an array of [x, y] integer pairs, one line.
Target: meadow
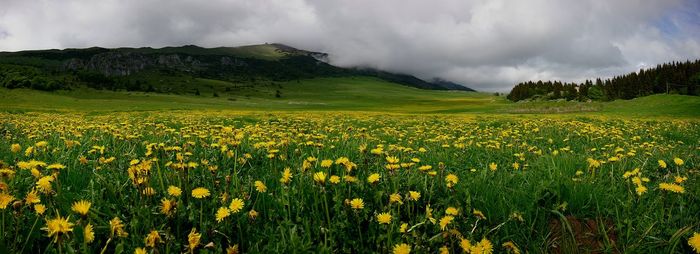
{"points": [[369, 167]]}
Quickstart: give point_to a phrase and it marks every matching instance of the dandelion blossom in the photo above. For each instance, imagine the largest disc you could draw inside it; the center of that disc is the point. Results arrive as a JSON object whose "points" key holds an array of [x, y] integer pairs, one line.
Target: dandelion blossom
{"points": [[222, 213], [320, 177], [414, 195], [5, 200], [200, 192], [384, 218], [174, 191], [444, 221], [373, 178], [81, 207], [402, 248], [88, 233], [193, 239], [662, 164], [236, 205], [357, 203], [672, 187], [58, 227], [395, 198], [260, 187], [678, 161], [694, 242]]}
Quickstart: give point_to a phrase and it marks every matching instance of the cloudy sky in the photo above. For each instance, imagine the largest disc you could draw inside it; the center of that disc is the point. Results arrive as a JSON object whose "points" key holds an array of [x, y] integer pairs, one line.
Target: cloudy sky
{"points": [[486, 44]]}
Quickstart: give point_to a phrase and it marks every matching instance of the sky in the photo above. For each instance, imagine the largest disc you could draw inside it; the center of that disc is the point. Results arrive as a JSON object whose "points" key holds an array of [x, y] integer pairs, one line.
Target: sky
{"points": [[489, 45]]}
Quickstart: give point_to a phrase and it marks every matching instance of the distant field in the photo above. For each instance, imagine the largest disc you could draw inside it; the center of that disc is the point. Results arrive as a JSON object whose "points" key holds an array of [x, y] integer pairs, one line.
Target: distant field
{"points": [[337, 94]]}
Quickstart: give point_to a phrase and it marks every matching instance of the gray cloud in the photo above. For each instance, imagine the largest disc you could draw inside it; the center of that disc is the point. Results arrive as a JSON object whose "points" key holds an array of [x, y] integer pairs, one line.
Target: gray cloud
{"points": [[486, 44]]}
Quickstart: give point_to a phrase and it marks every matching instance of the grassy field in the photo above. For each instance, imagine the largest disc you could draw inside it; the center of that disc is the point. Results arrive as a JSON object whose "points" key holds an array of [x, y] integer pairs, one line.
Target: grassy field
{"points": [[346, 165]]}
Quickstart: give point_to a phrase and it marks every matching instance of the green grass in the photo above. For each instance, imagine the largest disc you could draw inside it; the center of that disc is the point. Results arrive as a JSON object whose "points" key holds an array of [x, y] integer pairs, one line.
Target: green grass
{"points": [[333, 94]]}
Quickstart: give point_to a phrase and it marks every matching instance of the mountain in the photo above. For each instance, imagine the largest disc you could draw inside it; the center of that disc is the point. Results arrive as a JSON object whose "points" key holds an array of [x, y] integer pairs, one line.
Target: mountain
{"points": [[176, 69]]}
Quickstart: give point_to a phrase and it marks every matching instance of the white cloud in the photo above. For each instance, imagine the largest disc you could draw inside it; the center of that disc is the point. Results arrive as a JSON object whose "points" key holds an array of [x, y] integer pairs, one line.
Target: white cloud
{"points": [[485, 44]]}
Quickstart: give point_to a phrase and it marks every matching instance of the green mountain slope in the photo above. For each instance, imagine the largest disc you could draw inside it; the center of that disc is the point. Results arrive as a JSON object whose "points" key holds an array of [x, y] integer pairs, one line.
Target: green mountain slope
{"points": [[176, 70]]}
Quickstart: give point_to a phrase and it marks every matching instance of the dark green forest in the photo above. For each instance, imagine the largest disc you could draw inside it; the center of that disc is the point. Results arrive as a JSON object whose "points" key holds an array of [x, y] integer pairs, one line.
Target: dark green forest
{"points": [[675, 78]]}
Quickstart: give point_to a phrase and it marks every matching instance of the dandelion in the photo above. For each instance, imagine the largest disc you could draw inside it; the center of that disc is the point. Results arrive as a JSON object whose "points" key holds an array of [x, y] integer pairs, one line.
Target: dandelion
{"points": [[465, 244], [446, 220], [414, 195], [678, 161], [260, 186], [58, 227], [88, 233], [516, 165], [252, 214], [640, 190], [402, 248], [39, 209], [232, 249], [5, 200], [116, 228], [326, 163], [335, 179], [403, 228], [395, 198], [193, 240], [174, 191], [479, 214], [694, 242], [384, 218], [672, 187], [451, 180], [286, 176], [373, 178], [15, 148], [140, 250], [200, 193], [81, 207], [166, 207], [482, 247], [236, 205], [357, 203], [320, 177], [152, 239], [510, 246], [452, 211], [222, 213], [662, 164], [493, 166]]}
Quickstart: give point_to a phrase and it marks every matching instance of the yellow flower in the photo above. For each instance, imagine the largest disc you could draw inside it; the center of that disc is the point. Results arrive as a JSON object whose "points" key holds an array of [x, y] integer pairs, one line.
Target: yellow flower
{"points": [[373, 178], [395, 198], [253, 214], [672, 187], [15, 148], [167, 206], [116, 227], [392, 159], [493, 166], [200, 192], [444, 221], [232, 249], [678, 161], [444, 250], [516, 165], [335, 179], [44, 184], [152, 239], [5, 200], [402, 248], [662, 164], [174, 191], [39, 209], [193, 239], [482, 247], [511, 247], [451, 180], [465, 244], [222, 213], [479, 214], [414, 195], [88, 233], [384, 218], [326, 163], [357, 203], [140, 251], [286, 176], [694, 242], [260, 186], [320, 177], [640, 190], [81, 207], [403, 228], [452, 211], [236, 205], [58, 227]]}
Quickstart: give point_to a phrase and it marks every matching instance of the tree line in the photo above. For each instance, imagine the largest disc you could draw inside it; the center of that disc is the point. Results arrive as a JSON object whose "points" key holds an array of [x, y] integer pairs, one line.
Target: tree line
{"points": [[674, 77]]}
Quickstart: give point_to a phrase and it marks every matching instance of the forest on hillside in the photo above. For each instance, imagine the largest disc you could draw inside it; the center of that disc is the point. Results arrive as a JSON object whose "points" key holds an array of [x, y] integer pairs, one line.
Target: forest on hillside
{"points": [[674, 77]]}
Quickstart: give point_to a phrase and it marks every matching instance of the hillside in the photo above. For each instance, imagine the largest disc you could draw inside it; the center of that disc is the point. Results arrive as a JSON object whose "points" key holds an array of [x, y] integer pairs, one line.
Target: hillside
{"points": [[176, 70]]}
